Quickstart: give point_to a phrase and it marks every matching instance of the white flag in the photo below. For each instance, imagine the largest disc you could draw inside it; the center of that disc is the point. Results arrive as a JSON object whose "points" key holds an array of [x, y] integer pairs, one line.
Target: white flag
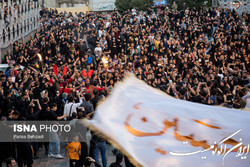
{"points": [[156, 130]]}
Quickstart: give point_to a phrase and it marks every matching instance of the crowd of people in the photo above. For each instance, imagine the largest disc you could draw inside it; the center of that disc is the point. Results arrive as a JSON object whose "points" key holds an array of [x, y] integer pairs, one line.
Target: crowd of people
{"points": [[197, 55]]}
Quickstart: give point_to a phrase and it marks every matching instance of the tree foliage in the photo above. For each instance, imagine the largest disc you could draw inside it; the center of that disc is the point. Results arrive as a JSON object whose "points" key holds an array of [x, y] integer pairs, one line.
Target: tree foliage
{"points": [[191, 3], [123, 5]]}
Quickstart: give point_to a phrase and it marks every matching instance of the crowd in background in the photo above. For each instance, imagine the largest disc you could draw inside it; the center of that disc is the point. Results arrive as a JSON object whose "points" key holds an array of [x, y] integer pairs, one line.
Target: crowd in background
{"points": [[197, 55]]}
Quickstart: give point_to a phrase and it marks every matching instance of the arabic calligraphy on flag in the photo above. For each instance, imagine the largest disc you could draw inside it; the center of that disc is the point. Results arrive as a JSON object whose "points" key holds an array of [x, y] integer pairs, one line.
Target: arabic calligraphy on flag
{"points": [[156, 130]]}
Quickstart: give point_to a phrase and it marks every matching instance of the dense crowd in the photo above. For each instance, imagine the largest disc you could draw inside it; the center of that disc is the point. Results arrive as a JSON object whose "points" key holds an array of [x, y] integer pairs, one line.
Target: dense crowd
{"points": [[194, 54]]}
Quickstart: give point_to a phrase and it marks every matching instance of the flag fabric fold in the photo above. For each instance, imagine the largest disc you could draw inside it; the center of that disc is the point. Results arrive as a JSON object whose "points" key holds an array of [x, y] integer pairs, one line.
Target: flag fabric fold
{"points": [[84, 73], [55, 69], [64, 70], [156, 130]]}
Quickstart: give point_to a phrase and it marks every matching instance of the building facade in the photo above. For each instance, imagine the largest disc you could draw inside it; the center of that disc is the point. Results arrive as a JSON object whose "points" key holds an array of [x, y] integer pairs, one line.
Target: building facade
{"points": [[101, 5], [63, 3], [18, 18], [241, 6]]}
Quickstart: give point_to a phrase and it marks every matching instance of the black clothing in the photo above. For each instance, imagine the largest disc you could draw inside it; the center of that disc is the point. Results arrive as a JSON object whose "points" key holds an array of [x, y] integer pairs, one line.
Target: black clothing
{"points": [[115, 165]]}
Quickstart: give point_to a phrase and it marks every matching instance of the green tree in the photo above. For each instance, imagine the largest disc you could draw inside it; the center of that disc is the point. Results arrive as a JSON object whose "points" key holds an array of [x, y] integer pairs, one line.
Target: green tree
{"points": [[123, 5]]}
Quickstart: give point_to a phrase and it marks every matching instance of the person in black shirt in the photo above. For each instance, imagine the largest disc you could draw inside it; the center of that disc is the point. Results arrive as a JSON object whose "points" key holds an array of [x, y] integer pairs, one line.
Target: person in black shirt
{"points": [[96, 99], [33, 110], [37, 90], [51, 115], [127, 162], [118, 161], [14, 115], [88, 106], [114, 50], [53, 136], [24, 154], [11, 162]]}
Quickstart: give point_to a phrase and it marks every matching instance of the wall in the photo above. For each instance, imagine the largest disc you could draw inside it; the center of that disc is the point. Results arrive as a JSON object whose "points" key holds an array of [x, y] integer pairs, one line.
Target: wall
{"points": [[63, 3], [101, 5], [74, 9]]}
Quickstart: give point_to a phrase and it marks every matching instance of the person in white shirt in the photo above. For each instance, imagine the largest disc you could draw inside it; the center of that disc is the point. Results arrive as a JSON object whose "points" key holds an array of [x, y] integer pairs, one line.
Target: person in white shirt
{"points": [[98, 50], [100, 33], [247, 99], [107, 24], [70, 107], [134, 11]]}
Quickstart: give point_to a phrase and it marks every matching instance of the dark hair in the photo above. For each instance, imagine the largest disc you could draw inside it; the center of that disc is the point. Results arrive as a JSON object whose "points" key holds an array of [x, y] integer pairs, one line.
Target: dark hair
{"points": [[230, 97], [95, 83], [103, 93], [178, 87], [70, 98], [8, 161], [74, 115], [46, 99], [219, 100], [95, 91], [214, 91], [53, 105], [203, 93], [30, 108], [37, 83], [87, 96], [183, 91], [119, 158], [16, 112], [241, 93]]}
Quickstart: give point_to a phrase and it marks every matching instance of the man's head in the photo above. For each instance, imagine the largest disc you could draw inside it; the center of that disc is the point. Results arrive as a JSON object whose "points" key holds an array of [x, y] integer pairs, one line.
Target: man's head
{"points": [[11, 162], [70, 98], [96, 92], [53, 106], [119, 158], [37, 84], [9, 79], [87, 97], [74, 115], [61, 80], [45, 100], [14, 114], [87, 82], [75, 138]]}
